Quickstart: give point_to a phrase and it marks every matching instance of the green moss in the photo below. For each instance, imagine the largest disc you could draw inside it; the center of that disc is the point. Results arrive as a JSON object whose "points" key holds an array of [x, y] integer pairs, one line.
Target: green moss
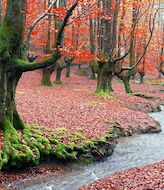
{"points": [[104, 94], [48, 83], [60, 131], [94, 104], [17, 121], [90, 143], [14, 153], [95, 66], [4, 45], [76, 137], [62, 151], [28, 146]]}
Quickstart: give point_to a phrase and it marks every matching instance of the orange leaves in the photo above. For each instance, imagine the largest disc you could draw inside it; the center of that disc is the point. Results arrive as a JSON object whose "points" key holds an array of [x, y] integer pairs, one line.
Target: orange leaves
{"points": [[60, 11]]}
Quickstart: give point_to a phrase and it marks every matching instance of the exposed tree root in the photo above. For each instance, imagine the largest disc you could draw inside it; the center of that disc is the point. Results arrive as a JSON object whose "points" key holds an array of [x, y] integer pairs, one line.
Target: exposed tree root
{"points": [[30, 144]]}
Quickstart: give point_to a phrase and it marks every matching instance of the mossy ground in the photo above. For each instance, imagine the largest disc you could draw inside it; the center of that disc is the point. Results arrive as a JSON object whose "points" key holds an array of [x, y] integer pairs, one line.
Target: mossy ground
{"points": [[32, 144], [103, 94]]}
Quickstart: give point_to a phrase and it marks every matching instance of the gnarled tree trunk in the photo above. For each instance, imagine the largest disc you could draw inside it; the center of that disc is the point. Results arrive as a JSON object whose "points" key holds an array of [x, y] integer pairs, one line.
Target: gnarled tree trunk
{"points": [[126, 80], [68, 70], [105, 75], [58, 75], [142, 74], [68, 61], [8, 112], [23, 147], [46, 75]]}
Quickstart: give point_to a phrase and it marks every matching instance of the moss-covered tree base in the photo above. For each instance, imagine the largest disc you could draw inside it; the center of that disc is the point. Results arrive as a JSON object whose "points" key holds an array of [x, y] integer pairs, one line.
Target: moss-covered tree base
{"points": [[21, 147], [47, 83], [32, 144], [107, 94]]}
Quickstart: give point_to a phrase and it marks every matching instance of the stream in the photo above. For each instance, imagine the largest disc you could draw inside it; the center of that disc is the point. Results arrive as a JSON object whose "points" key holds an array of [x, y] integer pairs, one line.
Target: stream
{"points": [[138, 150]]}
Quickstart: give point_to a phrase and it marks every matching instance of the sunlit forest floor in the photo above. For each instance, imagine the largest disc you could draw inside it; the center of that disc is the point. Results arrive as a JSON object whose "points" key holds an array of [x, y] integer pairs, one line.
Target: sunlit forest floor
{"points": [[73, 106]]}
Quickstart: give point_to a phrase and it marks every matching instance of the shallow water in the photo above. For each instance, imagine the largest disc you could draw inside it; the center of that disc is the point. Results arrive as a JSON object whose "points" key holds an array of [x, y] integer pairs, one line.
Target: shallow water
{"points": [[130, 152]]}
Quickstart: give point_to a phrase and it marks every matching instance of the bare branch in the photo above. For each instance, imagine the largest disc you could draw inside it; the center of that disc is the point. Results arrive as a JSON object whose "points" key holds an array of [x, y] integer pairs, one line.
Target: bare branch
{"points": [[36, 22], [146, 47], [82, 13], [64, 24], [23, 66], [133, 29]]}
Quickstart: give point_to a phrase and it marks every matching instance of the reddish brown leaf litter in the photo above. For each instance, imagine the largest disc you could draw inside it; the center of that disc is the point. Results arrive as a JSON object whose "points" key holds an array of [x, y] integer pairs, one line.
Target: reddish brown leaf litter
{"points": [[142, 178], [73, 106], [8, 178]]}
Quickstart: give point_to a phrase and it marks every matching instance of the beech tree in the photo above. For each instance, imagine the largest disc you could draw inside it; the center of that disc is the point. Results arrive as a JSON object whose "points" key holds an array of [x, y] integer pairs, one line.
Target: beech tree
{"points": [[111, 59], [12, 66], [1, 11], [160, 65], [47, 72]]}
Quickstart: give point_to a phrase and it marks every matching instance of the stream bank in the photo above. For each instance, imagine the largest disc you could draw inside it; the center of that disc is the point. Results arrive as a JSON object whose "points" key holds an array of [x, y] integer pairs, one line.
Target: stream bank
{"points": [[89, 115], [137, 150]]}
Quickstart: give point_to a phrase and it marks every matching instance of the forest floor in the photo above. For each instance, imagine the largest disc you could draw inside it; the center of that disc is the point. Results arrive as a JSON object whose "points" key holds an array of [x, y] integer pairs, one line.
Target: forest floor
{"points": [[150, 177], [73, 106]]}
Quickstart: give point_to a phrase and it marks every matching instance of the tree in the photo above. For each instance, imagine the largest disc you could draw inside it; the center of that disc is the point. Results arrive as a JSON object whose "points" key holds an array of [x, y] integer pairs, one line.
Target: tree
{"points": [[160, 66], [125, 77], [11, 68], [1, 11], [47, 72]]}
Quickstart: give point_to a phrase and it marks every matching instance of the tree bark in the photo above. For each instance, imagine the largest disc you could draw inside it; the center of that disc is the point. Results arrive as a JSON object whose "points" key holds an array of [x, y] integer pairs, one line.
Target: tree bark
{"points": [[142, 74], [1, 8], [126, 82], [92, 45], [46, 75], [8, 85], [68, 60], [92, 72], [68, 70], [104, 82], [58, 75]]}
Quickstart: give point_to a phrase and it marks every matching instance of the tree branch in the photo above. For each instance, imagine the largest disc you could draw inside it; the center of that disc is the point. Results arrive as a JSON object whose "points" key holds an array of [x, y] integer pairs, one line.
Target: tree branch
{"points": [[133, 29], [146, 47], [82, 13], [36, 22], [60, 33], [24, 66], [121, 58]]}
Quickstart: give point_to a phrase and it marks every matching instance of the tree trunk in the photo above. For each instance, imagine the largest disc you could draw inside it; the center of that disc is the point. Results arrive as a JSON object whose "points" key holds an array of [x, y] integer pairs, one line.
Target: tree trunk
{"points": [[68, 70], [1, 8], [67, 63], [21, 145], [58, 76], [104, 81], [7, 98], [93, 72], [46, 76], [110, 82], [126, 82], [142, 74], [159, 76]]}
